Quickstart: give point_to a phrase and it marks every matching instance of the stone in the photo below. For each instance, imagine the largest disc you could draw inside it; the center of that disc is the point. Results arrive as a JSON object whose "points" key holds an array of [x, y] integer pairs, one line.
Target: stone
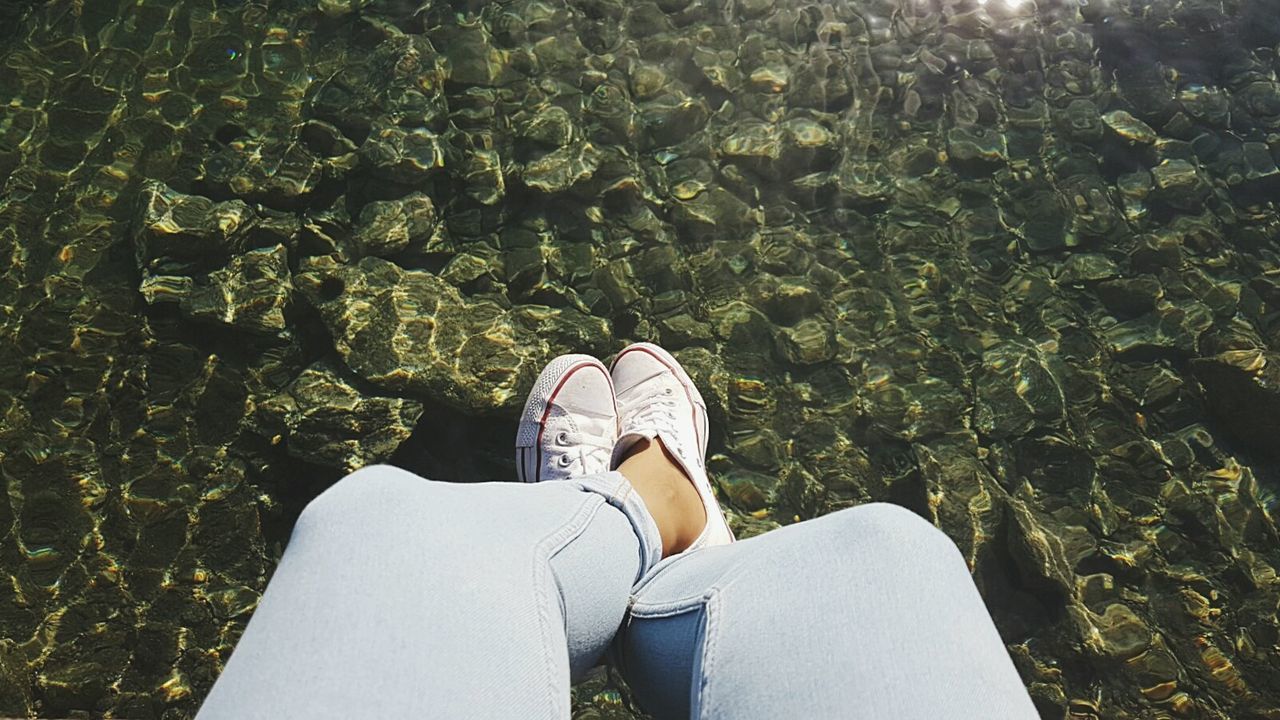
{"points": [[1179, 184], [760, 143], [1129, 297], [716, 213], [483, 173], [277, 173], [387, 227], [807, 145], [465, 268], [1134, 189], [181, 231], [523, 267], [807, 342], [1087, 267], [1118, 633], [788, 303], [1171, 332], [1242, 388], [321, 418], [251, 293], [1038, 552], [408, 331], [914, 411], [679, 331], [561, 169], [339, 8], [406, 155], [747, 490], [1016, 393], [975, 149], [550, 126], [1250, 172], [1082, 120], [1129, 128], [471, 55], [672, 120], [1010, 265]]}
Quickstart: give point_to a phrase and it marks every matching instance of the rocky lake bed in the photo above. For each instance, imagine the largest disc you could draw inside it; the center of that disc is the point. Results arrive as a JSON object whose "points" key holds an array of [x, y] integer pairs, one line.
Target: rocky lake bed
{"points": [[1014, 265]]}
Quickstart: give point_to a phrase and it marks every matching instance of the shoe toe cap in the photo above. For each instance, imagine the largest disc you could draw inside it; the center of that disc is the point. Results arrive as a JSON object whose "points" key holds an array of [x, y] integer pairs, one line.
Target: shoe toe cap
{"points": [[586, 388]]}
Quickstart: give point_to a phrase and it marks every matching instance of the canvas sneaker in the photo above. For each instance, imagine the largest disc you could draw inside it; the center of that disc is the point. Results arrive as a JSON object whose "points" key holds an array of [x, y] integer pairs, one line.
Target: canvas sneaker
{"points": [[657, 399], [570, 421]]}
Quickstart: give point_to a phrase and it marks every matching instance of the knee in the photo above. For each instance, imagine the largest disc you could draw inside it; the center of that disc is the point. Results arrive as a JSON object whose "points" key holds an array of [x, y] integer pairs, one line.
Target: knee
{"points": [[371, 490], [893, 531]]}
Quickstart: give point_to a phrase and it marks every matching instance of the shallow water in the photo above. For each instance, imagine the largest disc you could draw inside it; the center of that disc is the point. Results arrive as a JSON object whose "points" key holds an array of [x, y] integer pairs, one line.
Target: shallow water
{"points": [[1010, 264]]}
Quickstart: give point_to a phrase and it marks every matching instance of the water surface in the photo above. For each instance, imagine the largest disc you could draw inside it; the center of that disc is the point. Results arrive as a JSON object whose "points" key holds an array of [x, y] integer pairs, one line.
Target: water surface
{"points": [[1010, 264]]}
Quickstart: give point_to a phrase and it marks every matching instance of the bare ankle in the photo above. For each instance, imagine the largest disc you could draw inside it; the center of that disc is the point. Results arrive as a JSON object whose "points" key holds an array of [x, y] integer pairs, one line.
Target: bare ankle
{"points": [[668, 493]]}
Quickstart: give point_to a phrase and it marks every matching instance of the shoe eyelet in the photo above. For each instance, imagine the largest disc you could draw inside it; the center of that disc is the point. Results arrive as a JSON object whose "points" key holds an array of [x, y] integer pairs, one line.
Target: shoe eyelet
{"points": [[668, 391], [564, 461], [562, 438]]}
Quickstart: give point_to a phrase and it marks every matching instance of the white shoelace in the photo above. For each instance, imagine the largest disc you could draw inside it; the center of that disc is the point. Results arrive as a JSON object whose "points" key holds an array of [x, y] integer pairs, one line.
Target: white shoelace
{"points": [[568, 449], [659, 414]]}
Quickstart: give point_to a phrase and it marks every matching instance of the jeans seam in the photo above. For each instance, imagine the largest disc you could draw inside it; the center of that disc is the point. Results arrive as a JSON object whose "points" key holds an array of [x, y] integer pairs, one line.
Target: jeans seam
{"points": [[671, 607], [544, 550], [705, 664]]}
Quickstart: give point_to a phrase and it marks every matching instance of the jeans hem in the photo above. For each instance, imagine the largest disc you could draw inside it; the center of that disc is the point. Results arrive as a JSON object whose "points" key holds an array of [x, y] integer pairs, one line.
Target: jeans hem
{"points": [[618, 492]]}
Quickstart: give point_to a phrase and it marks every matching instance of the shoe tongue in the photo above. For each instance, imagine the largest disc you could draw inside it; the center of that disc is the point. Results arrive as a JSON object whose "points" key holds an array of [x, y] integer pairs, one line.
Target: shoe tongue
{"points": [[596, 427]]}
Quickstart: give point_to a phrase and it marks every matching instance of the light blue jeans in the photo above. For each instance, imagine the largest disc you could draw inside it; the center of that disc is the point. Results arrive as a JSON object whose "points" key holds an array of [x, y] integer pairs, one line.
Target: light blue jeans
{"points": [[400, 597]]}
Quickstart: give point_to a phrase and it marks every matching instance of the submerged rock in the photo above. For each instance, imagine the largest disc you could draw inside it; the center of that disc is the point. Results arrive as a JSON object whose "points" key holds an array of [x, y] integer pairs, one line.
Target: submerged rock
{"points": [[410, 331], [251, 293], [560, 169], [1179, 184], [403, 155], [472, 57], [180, 231], [1129, 128], [323, 419], [807, 342], [550, 125], [976, 149], [392, 226], [1009, 265], [1243, 389], [277, 173], [1016, 393]]}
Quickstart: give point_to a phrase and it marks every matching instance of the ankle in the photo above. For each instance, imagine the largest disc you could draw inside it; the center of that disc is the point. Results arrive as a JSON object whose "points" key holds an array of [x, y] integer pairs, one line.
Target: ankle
{"points": [[668, 493]]}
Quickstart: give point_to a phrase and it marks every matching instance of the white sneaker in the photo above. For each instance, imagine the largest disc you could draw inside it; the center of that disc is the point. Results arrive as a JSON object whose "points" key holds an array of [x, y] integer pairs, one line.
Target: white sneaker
{"points": [[570, 421], [656, 398]]}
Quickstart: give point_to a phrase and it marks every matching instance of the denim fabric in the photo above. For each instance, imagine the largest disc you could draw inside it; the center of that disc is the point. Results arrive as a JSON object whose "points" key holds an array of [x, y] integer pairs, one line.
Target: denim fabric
{"points": [[400, 597], [869, 612]]}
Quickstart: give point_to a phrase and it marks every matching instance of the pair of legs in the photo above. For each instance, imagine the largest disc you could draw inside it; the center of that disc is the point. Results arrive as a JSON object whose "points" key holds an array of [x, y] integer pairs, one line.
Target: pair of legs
{"points": [[405, 597]]}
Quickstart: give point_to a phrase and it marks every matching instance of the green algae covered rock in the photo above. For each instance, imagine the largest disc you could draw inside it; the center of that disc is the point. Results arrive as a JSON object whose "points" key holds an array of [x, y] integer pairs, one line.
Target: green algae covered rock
{"points": [[1010, 265], [252, 292], [411, 332], [323, 419]]}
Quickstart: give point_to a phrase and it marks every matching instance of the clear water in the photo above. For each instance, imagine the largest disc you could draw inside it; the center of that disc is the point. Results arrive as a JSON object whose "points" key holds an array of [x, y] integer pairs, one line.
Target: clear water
{"points": [[1011, 264]]}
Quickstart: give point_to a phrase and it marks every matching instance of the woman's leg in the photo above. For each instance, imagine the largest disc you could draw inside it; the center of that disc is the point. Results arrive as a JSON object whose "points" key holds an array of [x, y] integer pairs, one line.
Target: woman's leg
{"points": [[404, 597], [869, 612]]}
